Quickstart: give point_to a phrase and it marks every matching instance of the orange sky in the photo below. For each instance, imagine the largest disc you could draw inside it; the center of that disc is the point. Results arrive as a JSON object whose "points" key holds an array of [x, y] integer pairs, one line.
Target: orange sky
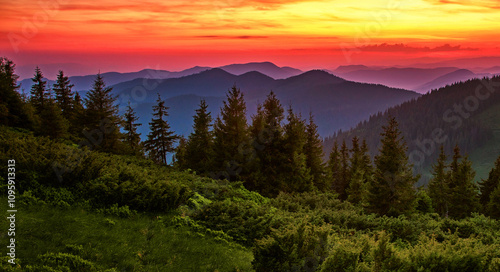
{"points": [[128, 35]]}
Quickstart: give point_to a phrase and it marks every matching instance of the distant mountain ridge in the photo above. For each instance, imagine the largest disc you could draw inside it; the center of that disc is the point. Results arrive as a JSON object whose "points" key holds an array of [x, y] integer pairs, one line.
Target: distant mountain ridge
{"points": [[83, 83], [335, 102]]}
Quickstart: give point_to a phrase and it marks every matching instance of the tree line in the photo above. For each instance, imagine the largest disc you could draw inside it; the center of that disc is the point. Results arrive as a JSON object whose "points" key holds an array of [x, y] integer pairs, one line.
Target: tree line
{"points": [[275, 152]]}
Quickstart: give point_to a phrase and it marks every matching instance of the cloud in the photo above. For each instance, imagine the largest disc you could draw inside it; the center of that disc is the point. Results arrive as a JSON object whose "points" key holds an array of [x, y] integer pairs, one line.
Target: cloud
{"points": [[411, 49], [489, 4]]}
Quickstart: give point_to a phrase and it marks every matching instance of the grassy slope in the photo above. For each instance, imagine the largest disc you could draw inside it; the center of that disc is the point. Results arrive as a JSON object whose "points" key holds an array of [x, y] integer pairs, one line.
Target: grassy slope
{"points": [[141, 243]]}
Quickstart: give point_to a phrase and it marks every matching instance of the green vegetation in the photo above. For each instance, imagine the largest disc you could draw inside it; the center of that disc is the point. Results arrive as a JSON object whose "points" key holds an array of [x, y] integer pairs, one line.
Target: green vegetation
{"points": [[84, 208]]}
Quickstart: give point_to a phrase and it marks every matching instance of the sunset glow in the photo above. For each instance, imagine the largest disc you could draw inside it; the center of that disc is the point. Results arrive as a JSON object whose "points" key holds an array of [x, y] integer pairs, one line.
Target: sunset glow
{"points": [[177, 34]]}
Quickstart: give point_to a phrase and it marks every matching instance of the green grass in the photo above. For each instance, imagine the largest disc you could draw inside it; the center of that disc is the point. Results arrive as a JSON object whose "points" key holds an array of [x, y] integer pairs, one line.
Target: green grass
{"points": [[484, 158], [140, 243]]}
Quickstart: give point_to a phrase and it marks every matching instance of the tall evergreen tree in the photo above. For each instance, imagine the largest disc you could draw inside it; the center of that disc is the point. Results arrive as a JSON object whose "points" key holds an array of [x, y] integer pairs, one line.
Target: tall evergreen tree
{"points": [[53, 124], [39, 92], [64, 94], [12, 108], [392, 190], [161, 139], [313, 149], [341, 182], [493, 206], [360, 172], [231, 136], [77, 118], [132, 137], [267, 140], [199, 147], [489, 185], [464, 197], [298, 175], [334, 168], [102, 119], [438, 185]]}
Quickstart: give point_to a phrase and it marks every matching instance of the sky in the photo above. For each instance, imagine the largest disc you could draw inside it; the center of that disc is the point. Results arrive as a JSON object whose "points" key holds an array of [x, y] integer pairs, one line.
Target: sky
{"points": [[128, 35]]}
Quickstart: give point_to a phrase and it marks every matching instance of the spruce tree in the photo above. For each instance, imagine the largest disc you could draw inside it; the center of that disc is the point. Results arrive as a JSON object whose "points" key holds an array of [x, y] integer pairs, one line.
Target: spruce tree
{"points": [[267, 140], [12, 108], [392, 190], [313, 149], [161, 139], [132, 138], [64, 94], [231, 137], [360, 172], [489, 185], [297, 175], [341, 182], [77, 118], [53, 124], [39, 93], [438, 185], [464, 198], [199, 147], [493, 206], [334, 168], [102, 119]]}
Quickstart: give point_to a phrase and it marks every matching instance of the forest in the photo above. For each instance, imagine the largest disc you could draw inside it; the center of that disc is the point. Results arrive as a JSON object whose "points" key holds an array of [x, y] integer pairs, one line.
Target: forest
{"points": [[234, 195]]}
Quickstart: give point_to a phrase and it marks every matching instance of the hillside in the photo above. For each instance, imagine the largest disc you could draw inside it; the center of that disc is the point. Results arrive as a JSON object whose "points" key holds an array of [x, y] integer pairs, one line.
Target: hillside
{"points": [[462, 114], [336, 103], [119, 213]]}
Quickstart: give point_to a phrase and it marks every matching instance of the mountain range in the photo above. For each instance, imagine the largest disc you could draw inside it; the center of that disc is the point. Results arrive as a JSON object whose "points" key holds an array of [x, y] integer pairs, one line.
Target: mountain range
{"points": [[334, 102]]}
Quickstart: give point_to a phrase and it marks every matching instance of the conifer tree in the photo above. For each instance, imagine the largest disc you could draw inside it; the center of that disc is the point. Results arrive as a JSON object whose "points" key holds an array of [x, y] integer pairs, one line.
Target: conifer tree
{"points": [[463, 191], [77, 118], [231, 135], [267, 140], [102, 119], [199, 147], [53, 124], [180, 157], [489, 185], [360, 172], [298, 176], [438, 185], [12, 108], [334, 168], [313, 150], [341, 182], [39, 92], [161, 139], [132, 138], [493, 206], [63, 93], [392, 190]]}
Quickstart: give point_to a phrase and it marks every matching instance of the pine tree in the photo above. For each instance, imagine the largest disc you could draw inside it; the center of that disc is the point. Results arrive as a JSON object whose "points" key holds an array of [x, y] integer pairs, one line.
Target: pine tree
{"points": [[334, 169], [102, 120], [463, 191], [231, 137], [64, 94], [267, 140], [181, 157], [489, 185], [132, 137], [39, 93], [360, 172], [493, 206], [12, 108], [313, 149], [392, 190], [298, 176], [341, 182], [160, 139], [199, 147], [438, 185], [77, 118], [53, 124]]}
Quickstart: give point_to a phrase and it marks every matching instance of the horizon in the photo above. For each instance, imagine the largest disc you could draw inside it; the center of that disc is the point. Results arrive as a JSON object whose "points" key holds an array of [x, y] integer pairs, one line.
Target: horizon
{"points": [[301, 34]]}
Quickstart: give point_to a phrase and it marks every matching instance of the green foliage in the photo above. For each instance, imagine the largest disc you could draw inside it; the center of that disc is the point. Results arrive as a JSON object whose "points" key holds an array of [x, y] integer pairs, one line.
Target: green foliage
{"points": [[391, 191], [132, 137], [489, 197], [160, 138]]}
